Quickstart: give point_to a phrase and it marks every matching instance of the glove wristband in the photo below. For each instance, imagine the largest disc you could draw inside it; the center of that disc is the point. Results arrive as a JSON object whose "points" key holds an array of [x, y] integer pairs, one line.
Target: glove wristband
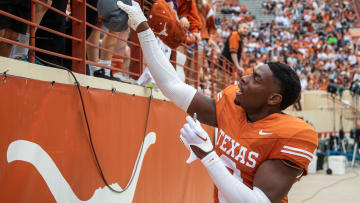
{"points": [[210, 159]]}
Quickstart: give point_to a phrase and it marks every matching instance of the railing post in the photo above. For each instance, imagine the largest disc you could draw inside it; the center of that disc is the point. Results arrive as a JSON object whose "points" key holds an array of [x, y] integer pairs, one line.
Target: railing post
{"points": [[212, 73], [235, 76], [79, 31], [226, 75], [196, 65], [32, 31], [204, 67], [135, 66], [135, 51], [223, 72]]}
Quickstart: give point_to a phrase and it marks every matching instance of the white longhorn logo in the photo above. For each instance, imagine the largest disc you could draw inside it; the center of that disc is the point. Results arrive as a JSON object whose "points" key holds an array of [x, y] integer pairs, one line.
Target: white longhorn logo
{"points": [[22, 150]]}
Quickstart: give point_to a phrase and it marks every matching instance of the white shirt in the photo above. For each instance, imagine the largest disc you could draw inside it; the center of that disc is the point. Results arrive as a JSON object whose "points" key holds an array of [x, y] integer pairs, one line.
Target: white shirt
{"points": [[352, 59], [304, 84]]}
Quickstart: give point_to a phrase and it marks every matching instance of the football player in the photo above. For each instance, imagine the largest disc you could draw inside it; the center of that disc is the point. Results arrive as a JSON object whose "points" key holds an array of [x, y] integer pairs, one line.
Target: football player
{"points": [[260, 151]]}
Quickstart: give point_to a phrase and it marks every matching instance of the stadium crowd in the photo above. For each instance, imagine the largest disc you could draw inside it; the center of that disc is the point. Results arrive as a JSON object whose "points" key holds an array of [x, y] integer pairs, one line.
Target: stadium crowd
{"points": [[311, 36]]}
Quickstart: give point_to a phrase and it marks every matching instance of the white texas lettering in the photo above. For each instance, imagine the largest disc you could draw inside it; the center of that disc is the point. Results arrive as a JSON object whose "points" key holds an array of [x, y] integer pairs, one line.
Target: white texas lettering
{"points": [[233, 146], [222, 134], [22, 150], [251, 159], [241, 155], [243, 158], [226, 138]]}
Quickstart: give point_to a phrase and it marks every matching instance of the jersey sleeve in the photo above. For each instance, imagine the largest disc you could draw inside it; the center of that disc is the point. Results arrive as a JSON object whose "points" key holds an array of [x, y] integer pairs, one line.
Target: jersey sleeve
{"points": [[234, 42], [187, 8], [210, 19], [298, 149]]}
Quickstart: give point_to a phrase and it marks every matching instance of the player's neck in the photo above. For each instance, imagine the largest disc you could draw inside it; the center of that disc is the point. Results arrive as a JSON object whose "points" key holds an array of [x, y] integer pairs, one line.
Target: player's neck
{"points": [[253, 117]]}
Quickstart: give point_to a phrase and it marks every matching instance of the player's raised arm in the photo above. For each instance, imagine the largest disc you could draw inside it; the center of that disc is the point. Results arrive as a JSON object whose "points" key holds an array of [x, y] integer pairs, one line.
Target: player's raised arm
{"points": [[183, 95]]}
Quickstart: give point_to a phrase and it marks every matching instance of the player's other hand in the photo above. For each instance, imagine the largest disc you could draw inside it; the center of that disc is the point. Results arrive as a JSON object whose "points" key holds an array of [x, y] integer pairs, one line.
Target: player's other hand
{"points": [[136, 15], [195, 139]]}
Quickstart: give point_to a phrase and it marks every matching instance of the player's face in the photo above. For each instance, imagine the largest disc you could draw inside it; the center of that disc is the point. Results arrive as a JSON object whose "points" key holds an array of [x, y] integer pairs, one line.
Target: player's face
{"points": [[255, 89]]}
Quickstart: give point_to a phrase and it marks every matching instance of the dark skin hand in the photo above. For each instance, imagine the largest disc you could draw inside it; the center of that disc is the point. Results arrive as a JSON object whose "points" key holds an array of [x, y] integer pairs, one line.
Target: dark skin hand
{"points": [[142, 27], [273, 177]]}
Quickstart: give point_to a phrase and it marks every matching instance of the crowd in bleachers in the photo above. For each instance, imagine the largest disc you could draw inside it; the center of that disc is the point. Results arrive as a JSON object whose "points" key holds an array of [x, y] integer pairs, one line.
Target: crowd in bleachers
{"points": [[311, 36]]}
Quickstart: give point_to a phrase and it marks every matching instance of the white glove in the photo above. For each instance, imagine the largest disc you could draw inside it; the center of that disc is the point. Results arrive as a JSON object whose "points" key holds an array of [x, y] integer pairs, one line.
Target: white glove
{"points": [[192, 156], [136, 15], [193, 134]]}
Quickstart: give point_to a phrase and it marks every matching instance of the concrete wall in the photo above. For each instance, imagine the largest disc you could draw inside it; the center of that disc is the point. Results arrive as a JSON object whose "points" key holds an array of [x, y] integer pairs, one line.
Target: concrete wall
{"points": [[318, 108]]}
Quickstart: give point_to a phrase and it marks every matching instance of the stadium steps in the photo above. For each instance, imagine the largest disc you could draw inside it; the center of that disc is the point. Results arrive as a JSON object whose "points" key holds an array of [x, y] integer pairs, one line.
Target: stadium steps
{"points": [[255, 9], [355, 32]]}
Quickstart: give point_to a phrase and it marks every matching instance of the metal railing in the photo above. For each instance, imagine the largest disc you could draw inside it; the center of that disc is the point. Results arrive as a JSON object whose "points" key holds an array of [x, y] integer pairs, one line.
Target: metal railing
{"points": [[207, 74]]}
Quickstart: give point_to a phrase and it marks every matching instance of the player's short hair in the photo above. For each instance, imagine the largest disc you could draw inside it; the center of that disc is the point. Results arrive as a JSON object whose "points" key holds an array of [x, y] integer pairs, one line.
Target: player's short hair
{"points": [[289, 83]]}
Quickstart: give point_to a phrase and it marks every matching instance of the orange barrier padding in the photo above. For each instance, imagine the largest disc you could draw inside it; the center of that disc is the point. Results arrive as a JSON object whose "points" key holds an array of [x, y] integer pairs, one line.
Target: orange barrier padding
{"points": [[117, 62], [46, 154]]}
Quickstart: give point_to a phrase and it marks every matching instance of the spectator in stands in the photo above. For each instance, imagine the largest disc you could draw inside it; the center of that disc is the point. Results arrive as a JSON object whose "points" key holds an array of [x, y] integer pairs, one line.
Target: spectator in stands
{"points": [[188, 22], [208, 29], [226, 8], [121, 58], [108, 42], [268, 7], [13, 29], [252, 66], [49, 41], [233, 46], [187, 9]]}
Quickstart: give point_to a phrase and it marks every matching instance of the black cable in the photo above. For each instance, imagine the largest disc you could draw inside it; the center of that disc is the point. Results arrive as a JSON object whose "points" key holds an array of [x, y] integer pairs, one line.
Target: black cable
{"points": [[90, 137], [4, 73]]}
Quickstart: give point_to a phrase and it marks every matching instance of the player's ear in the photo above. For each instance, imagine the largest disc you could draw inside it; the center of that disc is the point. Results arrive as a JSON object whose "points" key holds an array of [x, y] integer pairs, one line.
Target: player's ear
{"points": [[275, 99]]}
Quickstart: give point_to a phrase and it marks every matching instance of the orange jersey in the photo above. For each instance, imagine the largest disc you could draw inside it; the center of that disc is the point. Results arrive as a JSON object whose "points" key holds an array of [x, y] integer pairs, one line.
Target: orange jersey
{"points": [[187, 8], [244, 146], [234, 42], [207, 17]]}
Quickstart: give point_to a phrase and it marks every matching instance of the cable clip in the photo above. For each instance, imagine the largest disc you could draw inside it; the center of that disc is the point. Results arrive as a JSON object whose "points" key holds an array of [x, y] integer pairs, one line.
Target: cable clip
{"points": [[5, 76]]}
